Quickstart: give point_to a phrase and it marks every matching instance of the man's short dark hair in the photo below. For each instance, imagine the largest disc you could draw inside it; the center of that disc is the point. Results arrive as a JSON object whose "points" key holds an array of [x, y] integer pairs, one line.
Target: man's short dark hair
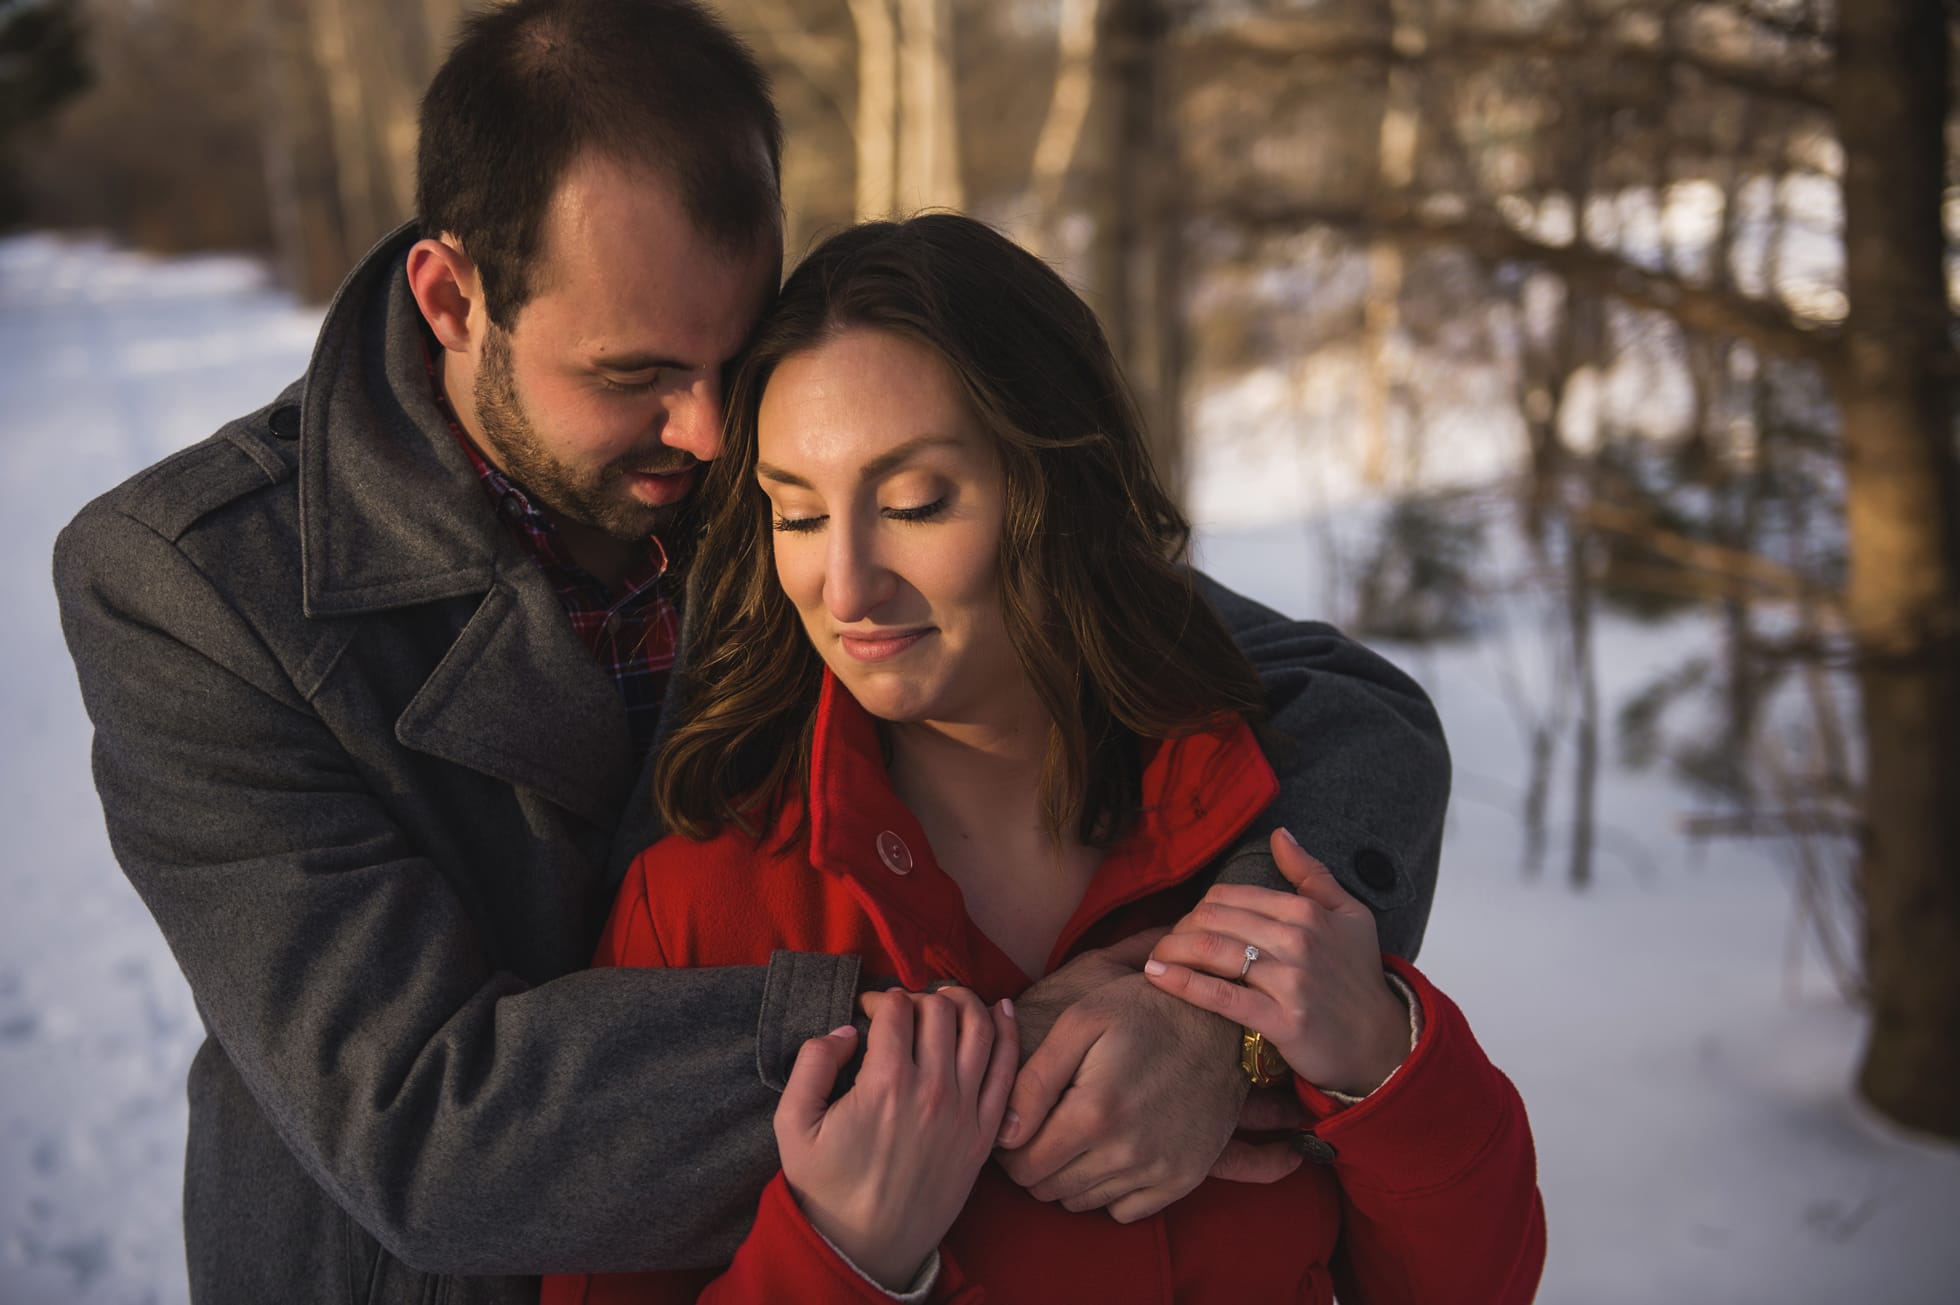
{"points": [[532, 85]]}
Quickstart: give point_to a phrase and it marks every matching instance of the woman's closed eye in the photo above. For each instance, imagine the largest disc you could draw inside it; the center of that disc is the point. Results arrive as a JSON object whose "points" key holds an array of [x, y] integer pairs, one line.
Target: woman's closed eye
{"points": [[799, 525], [924, 512]]}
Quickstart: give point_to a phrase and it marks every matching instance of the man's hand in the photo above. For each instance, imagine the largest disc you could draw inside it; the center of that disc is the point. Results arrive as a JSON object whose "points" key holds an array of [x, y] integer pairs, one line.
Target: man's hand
{"points": [[1131, 1099], [1044, 1001]]}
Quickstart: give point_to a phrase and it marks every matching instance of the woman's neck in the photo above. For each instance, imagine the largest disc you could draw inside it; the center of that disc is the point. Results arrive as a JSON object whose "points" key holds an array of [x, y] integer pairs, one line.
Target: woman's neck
{"points": [[960, 780], [976, 792]]}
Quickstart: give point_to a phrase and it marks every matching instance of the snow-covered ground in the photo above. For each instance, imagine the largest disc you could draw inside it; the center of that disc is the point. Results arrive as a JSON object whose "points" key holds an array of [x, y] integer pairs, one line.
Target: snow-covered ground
{"points": [[1696, 1137]]}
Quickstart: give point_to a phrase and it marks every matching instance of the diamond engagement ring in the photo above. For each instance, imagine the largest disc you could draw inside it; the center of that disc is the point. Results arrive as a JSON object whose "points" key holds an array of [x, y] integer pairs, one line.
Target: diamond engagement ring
{"points": [[1251, 955]]}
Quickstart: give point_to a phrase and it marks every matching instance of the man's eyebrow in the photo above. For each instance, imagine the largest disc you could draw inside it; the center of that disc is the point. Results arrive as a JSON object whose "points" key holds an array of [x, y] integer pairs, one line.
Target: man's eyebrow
{"points": [[640, 362], [878, 466]]}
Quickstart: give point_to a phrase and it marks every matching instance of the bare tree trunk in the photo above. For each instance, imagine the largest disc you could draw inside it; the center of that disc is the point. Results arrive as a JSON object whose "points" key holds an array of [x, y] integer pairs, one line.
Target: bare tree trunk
{"points": [[1139, 228], [877, 108], [1905, 567], [306, 204], [277, 139], [1585, 775], [928, 118], [395, 50], [1399, 135], [1379, 318], [353, 163], [1068, 112], [1537, 792]]}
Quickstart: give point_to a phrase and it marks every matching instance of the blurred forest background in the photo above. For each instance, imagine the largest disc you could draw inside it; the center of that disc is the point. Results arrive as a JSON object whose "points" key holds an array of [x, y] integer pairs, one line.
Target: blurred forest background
{"points": [[1688, 257]]}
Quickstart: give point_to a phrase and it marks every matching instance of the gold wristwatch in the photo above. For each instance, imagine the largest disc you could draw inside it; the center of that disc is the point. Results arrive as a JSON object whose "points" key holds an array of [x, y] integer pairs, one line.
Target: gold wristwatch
{"points": [[1263, 1066]]}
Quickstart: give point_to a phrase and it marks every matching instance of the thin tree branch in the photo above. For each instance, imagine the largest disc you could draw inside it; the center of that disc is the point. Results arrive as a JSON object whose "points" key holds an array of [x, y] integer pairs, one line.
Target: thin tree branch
{"points": [[1444, 43], [1697, 308]]}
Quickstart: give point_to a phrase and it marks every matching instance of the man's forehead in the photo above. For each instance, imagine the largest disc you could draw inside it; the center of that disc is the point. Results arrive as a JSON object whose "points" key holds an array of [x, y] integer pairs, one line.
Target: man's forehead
{"points": [[622, 268], [609, 217]]}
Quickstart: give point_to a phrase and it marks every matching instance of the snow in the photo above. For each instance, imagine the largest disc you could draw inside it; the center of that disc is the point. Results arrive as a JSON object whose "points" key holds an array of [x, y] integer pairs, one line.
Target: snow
{"points": [[1697, 1138]]}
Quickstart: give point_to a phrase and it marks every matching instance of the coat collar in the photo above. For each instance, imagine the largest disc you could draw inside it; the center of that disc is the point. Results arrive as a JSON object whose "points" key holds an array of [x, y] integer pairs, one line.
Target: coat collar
{"points": [[1200, 792], [391, 515]]}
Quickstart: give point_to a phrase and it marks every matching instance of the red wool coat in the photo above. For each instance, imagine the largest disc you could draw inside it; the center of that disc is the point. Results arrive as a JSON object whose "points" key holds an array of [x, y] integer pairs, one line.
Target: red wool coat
{"points": [[1430, 1198]]}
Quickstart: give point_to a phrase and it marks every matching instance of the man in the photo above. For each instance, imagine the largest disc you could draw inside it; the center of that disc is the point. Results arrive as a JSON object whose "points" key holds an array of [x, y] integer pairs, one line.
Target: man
{"points": [[374, 672]]}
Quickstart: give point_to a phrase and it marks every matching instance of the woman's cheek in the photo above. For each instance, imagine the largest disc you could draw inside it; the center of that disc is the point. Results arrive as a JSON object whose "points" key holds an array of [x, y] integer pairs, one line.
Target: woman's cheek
{"points": [[800, 575]]}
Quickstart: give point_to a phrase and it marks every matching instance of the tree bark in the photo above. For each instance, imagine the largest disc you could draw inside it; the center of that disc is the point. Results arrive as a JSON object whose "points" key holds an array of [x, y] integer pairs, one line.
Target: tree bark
{"points": [[353, 159], [876, 130], [1139, 281], [1905, 567], [928, 120], [1068, 112], [1397, 138], [308, 225]]}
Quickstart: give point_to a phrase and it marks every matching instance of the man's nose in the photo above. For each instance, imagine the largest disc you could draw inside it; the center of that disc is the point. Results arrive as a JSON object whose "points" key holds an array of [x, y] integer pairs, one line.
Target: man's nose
{"points": [[693, 417]]}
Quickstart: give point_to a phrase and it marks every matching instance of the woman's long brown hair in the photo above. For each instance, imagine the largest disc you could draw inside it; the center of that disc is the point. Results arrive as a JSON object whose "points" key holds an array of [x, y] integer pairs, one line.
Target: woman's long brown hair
{"points": [[1093, 589]]}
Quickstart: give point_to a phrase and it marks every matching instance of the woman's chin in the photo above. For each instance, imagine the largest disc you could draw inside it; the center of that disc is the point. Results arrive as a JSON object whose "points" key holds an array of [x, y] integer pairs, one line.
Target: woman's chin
{"points": [[892, 708], [886, 694]]}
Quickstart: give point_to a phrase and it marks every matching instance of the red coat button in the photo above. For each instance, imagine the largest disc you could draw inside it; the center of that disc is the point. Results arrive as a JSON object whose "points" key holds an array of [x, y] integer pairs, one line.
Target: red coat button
{"points": [[893, 852]]}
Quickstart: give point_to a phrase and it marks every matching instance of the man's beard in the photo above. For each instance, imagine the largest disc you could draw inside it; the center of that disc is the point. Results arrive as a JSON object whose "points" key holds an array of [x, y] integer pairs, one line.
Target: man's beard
{"points": [[598, 499]]}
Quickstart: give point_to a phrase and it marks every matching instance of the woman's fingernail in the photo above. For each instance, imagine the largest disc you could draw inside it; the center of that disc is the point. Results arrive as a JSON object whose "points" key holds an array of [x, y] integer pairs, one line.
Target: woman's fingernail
{"points": [[1154, 967], [1289, 836], [1007, 1007], [844, 1031], [1007, 1123]]}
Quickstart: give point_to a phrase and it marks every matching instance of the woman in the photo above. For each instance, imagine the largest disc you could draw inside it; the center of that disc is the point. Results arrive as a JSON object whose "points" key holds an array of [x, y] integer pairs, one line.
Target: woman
{"points": [[964, 715]]}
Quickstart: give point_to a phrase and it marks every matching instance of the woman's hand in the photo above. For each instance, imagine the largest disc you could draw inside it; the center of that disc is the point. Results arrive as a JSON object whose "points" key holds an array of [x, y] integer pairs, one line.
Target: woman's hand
{"points": [[1316, 992], [884, 1170]]}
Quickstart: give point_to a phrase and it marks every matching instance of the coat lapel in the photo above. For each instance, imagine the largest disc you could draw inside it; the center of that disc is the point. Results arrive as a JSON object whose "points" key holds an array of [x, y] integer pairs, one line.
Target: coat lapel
{"points": [[392, 516], [518, 698]]}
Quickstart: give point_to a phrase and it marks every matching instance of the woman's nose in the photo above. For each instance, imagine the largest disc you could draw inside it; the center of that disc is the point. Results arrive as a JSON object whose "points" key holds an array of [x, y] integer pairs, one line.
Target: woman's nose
{"points": [[856, 580]]}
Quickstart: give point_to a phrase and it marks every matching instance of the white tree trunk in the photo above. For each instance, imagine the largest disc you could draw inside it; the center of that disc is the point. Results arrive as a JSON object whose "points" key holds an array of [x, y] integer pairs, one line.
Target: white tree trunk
{"points": [[928, 120], [1068, 112], [877, 108], [353, 165]]}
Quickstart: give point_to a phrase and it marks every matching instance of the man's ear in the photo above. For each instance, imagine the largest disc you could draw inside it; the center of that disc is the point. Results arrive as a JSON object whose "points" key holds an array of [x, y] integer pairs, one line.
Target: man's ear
{"points": [[445, 284]]}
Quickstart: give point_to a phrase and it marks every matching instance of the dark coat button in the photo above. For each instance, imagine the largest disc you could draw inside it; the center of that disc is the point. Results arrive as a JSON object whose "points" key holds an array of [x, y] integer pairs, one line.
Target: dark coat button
{"points": [[1374, 869], [284, 422], [1314, 1149]]}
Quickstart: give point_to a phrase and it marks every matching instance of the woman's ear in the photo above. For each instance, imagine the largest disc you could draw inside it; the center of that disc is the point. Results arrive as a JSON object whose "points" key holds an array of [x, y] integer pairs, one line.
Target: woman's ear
{"points": [[446, 287]]}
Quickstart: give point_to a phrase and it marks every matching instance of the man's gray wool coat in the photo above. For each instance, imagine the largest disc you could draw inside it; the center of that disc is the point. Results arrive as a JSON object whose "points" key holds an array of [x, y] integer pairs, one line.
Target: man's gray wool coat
{"points": [[375, 793]]}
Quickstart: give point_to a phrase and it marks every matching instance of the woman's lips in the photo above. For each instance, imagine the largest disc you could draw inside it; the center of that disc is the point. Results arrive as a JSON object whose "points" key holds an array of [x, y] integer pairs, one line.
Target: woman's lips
{"points": [[882, 646], [660, 490]]}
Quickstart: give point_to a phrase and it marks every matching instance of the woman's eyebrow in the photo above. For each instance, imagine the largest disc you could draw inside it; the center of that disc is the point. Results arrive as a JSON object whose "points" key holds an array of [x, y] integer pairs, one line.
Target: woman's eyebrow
{"points": [[873, 469]]}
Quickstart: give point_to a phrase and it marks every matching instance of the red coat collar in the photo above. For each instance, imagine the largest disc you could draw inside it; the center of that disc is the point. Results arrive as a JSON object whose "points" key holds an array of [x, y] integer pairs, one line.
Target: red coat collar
{"points": [[1200, 792]]}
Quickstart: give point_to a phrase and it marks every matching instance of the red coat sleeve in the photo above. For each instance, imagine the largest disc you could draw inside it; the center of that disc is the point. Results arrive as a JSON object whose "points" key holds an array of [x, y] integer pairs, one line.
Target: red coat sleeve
{"points": [[783, 1259], [1439, 1179]]}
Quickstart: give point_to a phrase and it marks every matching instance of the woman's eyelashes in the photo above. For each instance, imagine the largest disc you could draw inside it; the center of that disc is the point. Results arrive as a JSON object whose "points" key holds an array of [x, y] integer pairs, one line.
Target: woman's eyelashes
{"points": [[924, 512]]}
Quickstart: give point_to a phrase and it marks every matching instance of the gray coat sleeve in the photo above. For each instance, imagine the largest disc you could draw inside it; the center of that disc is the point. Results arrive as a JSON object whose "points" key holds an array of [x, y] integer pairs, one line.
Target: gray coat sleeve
{"points": [[475, 1124], [1364, 772]]}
